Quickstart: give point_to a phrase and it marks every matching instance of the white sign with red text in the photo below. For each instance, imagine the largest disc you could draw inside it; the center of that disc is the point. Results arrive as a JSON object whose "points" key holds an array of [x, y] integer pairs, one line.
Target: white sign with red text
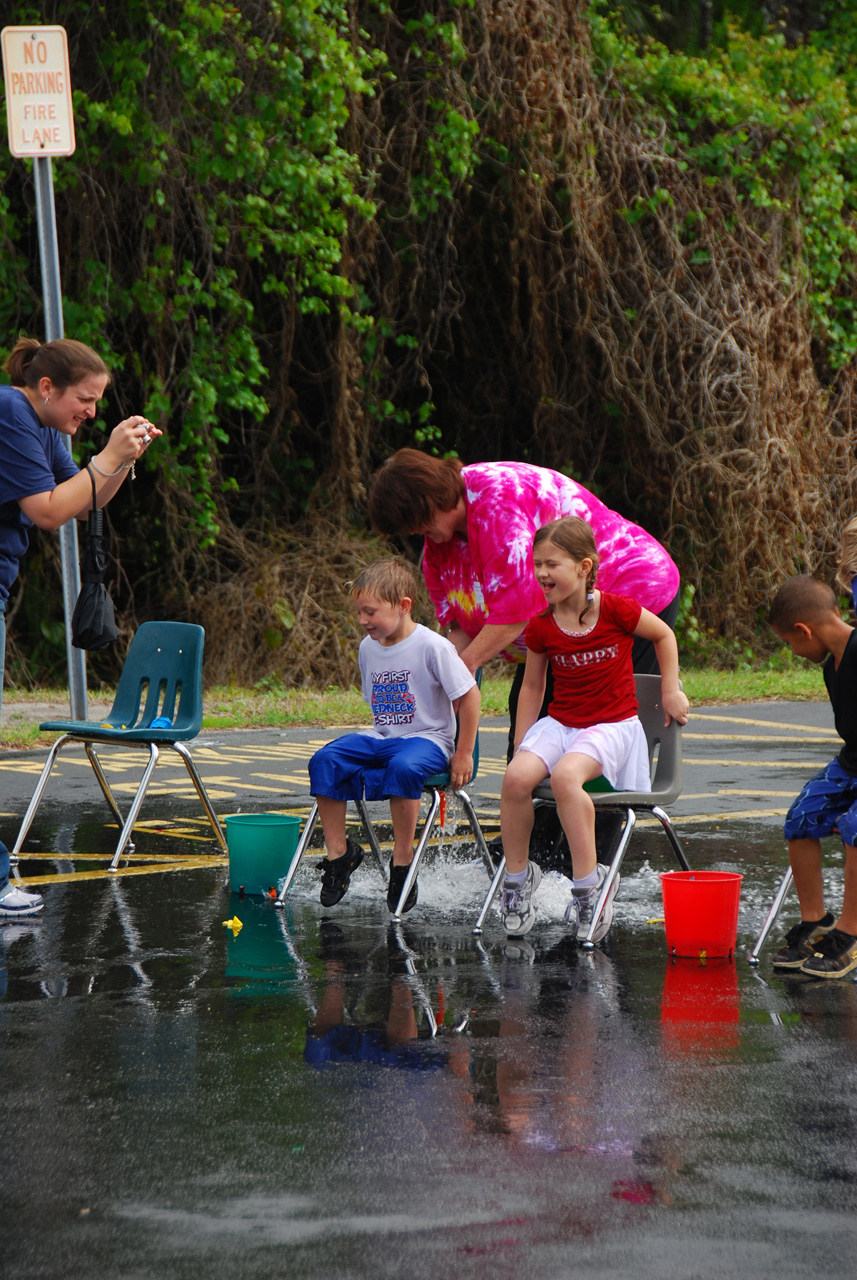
{"points": [[38, 91]]}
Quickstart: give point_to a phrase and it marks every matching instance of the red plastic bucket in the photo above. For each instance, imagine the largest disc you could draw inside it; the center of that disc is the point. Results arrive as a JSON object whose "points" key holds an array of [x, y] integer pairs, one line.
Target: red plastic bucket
{"points": [[701, 912]]}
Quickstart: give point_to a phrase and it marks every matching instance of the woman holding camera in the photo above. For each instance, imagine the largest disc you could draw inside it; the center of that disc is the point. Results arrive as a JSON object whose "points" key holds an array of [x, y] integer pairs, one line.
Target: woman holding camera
{"points": [[55, 388]]}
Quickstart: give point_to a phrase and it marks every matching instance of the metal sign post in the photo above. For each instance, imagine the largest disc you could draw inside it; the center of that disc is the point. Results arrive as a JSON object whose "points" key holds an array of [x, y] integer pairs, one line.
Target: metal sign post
{"points": [[41, 125]]}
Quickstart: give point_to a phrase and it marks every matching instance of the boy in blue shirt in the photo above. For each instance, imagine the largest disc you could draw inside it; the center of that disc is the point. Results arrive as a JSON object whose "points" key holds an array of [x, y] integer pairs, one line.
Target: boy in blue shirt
{"points": [[414, 681], [805, 614]]}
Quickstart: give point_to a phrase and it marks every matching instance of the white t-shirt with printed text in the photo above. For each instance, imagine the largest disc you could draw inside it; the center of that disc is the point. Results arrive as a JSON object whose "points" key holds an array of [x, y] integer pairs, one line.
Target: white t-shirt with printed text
{"points": [[410, 686]]}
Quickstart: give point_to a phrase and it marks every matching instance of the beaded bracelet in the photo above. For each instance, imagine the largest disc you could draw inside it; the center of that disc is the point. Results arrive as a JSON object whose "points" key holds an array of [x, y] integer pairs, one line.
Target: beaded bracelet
{"points": [[108, 475]]}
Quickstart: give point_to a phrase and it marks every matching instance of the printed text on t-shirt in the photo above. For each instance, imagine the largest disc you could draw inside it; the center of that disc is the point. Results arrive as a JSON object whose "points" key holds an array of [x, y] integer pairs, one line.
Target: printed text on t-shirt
{"points": [[607, 654], [392, 700]]}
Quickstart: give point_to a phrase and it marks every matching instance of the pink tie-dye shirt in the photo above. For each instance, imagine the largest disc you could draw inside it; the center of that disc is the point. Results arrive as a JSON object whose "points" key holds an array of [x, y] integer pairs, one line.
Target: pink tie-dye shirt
{"points": [[487, 578]]}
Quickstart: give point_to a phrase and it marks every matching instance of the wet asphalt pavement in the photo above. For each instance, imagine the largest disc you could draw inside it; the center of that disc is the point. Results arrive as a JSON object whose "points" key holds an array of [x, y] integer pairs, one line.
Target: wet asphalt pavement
{"points": [[182, 1102]]}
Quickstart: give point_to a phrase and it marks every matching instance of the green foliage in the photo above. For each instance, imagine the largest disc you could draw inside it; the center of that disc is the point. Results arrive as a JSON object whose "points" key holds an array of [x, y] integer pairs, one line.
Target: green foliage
{"points": [[780, 126], [218, 130], [307, 232]]}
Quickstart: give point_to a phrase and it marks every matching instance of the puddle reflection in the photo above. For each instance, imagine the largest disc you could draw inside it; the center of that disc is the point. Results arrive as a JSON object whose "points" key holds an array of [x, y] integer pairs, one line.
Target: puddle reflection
{"points": [[700, 1007]]}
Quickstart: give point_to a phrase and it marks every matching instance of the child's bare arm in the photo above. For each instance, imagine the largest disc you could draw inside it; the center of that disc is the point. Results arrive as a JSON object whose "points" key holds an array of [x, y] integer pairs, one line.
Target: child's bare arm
{"points": [[532, 694], [461, 764], [651, 627]]}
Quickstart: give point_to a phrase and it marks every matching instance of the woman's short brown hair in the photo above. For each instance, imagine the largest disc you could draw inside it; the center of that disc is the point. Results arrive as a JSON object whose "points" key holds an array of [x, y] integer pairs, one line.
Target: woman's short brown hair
{"points": [[410, 487], [65, 361]]}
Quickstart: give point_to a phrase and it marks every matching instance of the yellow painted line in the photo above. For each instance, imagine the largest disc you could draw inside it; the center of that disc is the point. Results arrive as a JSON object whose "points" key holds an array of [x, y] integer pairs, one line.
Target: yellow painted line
{"points": [[755, 737], [106, 857], [815, 765], [129, 789], [303, 780], [734, 791], [681, 819], [161, 868], [764, 724]]}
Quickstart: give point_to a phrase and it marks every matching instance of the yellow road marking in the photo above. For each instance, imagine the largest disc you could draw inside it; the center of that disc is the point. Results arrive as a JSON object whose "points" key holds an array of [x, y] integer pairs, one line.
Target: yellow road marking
{"points": [[161, 868], [734, 791], [755, 737], [680, 819], [201, 859], [815, 765], [283, 777], [772, 724]]}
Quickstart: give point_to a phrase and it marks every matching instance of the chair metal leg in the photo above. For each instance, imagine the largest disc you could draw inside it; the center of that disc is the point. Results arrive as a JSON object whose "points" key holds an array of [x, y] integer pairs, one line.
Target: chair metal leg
{"points": [[770, 918], [479, 838], [491, 895], [303, 843], [125, 834], [106, 791], [182, 750], [664, 820], [104, 784], [35, 802], [428, 825], [625, 839], [369, 828]]}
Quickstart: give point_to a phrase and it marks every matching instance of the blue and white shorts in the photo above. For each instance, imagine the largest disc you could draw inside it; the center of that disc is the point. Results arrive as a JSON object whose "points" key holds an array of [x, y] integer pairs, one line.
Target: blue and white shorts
{"points": [[827, 805]]}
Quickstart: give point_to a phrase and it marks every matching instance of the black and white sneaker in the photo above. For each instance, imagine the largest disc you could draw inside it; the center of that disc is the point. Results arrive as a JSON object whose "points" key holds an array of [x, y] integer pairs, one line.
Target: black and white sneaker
{"points": [[398, 875], [337, 873]]}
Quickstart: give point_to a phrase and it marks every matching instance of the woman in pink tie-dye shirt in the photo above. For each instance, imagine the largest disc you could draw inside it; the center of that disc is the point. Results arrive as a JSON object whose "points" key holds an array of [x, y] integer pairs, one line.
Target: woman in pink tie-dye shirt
{"points": [[479, 521]]}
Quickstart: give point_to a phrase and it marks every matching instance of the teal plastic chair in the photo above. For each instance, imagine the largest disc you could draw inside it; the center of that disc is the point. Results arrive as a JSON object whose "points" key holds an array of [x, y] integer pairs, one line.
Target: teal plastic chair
{"points": [[434, 786], [161, 680]]}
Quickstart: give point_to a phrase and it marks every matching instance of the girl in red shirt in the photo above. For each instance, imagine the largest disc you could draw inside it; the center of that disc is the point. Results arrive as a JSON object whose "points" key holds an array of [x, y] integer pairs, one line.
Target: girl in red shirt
{"points": [[592, 726]]}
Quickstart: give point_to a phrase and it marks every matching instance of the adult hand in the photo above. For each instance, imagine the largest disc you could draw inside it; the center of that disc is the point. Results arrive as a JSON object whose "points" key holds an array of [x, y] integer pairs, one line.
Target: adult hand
{"points": [[131, 438]]}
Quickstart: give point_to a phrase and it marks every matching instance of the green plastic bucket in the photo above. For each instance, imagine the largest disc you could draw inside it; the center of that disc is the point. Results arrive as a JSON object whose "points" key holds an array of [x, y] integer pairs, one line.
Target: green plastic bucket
{"points": [[261, 848]]}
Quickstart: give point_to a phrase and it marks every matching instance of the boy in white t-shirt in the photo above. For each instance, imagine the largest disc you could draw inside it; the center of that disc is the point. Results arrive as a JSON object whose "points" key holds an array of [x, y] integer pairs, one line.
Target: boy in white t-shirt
{"points": [[415, 682]]}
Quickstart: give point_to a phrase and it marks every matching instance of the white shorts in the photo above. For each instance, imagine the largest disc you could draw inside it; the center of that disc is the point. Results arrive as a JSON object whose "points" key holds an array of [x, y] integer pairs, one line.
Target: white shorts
{"points": [[620, 748]]}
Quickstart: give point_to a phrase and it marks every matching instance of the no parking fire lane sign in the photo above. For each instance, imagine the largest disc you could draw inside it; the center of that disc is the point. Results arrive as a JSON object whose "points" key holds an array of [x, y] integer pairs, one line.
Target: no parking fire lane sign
{"points": [[38, 91]]}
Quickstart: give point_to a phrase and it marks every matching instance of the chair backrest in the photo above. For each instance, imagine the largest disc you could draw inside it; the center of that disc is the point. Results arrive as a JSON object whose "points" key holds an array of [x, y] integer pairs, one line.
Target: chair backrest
{"points": [[162, 676], [668, 778]]}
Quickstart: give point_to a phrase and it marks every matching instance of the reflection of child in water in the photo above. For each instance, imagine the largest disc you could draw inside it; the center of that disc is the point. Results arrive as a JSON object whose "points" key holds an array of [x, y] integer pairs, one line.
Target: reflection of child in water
{"points": [[391, 1036]]}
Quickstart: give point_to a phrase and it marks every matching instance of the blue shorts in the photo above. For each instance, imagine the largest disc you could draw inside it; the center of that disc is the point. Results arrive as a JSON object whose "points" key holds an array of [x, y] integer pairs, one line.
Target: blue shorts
{"points": [[827, 804], [358, 765], [353, 1044]]}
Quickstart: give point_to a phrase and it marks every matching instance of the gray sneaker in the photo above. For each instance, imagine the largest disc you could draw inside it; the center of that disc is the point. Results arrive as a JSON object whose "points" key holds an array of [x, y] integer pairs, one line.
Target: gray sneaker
{"points": [[581, 909], [516, 904]]}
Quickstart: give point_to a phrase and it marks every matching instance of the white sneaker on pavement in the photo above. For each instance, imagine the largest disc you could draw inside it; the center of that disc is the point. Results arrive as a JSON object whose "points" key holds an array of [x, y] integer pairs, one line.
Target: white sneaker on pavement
{"points": [[516, 904], [17, 903], [581, 909]]}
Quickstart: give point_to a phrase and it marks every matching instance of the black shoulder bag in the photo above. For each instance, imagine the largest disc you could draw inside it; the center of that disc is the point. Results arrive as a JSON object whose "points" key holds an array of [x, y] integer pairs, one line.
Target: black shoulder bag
{"points": [[93, 623]]}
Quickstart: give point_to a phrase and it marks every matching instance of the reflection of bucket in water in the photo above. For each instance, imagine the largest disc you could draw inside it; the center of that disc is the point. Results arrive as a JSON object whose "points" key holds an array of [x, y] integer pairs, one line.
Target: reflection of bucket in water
{"points": [[700, 1007], [261, 849], [701, 912], [258, 955]]}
